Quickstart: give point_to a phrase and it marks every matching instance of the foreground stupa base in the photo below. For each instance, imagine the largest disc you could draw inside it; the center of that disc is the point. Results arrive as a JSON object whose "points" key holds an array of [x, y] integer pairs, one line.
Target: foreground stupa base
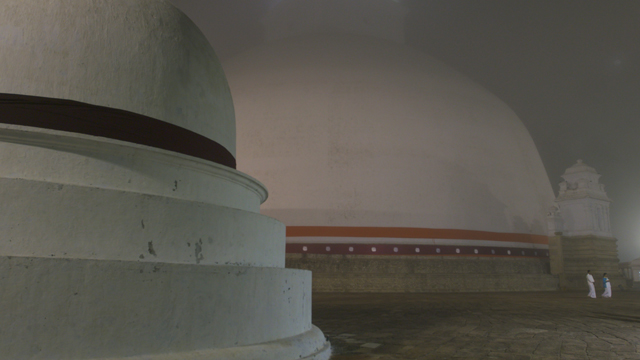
{"points": [[150, 255], [366, 273], [127, 232], [96, 309]]}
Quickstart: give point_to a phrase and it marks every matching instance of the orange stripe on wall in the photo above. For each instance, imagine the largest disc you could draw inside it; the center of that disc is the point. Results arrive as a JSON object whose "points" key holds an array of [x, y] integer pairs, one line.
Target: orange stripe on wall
{"points": [[411, 233]]}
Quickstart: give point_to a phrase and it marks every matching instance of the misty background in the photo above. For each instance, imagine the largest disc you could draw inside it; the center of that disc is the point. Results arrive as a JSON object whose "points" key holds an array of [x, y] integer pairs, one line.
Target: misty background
{"points": [[570, 69]]}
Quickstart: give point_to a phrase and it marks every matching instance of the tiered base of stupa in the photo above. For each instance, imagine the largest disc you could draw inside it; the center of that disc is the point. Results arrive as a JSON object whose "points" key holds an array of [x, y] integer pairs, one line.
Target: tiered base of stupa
{"points": [[97, 309], [113, 250]]}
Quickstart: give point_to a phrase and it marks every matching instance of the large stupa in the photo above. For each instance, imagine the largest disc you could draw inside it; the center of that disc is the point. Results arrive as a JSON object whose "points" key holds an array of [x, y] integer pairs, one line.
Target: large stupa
{"points": [[391, 171], [127, 233]]}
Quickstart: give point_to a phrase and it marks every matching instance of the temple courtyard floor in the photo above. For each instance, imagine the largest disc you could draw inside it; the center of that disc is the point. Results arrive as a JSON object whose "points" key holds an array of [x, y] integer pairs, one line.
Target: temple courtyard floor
{"points": [[531, 325]]}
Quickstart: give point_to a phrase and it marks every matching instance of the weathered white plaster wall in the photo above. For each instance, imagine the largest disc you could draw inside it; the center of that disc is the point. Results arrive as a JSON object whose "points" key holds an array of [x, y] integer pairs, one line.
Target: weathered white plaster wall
{"points": [[150, 59], [46, 219], [355, 131]]}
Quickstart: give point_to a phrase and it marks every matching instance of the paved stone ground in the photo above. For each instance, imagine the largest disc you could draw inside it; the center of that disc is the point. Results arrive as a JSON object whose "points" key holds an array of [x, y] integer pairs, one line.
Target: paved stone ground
{"points": [[531, 326]]}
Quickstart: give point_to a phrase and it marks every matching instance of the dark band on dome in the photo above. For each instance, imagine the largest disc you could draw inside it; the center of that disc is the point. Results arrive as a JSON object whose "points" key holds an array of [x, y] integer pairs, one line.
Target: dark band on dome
{"points": [[82, 118]]}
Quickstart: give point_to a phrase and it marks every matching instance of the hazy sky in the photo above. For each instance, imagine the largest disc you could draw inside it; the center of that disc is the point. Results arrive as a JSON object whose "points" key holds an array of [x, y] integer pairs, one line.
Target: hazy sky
{"points": [[569, 69]]}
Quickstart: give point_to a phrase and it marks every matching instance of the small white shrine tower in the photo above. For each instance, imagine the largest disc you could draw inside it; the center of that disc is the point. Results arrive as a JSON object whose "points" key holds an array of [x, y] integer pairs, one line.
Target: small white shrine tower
{"points": [[580, 229], [583, 203]]}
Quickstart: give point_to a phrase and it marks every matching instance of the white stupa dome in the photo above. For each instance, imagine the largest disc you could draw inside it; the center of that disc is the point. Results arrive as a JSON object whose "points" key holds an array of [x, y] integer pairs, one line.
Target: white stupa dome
{"points": [[142, 56], [353, 131]]}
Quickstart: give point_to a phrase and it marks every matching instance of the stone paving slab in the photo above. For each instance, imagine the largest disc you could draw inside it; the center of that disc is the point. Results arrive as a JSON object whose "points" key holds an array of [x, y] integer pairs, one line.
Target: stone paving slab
{"points": [[528, 326]]}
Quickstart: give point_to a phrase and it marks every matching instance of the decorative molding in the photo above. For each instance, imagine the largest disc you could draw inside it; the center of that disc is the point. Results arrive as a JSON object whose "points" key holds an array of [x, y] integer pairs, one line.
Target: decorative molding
{"points": [[414, 250]]}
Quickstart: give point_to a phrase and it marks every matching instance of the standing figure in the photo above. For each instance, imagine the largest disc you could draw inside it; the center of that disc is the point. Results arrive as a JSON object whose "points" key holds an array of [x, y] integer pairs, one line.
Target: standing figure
{"points": [[607, 286], [592, 288]]}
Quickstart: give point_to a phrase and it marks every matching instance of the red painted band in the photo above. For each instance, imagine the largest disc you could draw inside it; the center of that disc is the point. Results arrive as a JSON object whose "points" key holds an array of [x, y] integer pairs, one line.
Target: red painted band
{"points": [[82, 118], [412, 233], [416, 250]]}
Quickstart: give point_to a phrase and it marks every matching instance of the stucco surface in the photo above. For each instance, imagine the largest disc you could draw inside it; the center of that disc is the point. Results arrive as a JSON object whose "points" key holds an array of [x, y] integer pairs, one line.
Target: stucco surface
{"points": [[86, 309], [143, 56], [74, 159], [46, 219], [355, 131]]}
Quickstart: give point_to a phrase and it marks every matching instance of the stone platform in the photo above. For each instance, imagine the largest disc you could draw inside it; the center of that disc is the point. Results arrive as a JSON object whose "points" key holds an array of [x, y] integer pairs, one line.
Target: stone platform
{"points": [[364, 273], [571, 257], [513, 326]]}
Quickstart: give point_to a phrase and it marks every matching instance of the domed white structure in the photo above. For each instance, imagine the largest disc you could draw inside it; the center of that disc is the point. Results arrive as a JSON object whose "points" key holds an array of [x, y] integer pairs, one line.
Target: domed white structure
{"points": [[127, 232], [371, 148], [152, 61], [354, 131]]}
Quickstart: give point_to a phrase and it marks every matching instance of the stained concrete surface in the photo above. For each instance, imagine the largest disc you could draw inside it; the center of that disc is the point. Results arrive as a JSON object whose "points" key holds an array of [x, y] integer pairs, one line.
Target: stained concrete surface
{"points": [[526, 325]]}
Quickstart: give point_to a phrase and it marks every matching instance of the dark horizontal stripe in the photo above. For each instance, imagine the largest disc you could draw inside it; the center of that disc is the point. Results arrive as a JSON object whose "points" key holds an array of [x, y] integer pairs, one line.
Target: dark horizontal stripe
{"points": [[411, 233], [82, 118], [405, 249]]}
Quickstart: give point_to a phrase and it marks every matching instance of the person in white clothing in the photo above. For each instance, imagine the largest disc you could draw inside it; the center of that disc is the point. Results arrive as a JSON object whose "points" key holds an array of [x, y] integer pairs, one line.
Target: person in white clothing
{"points": [[592, 288], [607, 286]]}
